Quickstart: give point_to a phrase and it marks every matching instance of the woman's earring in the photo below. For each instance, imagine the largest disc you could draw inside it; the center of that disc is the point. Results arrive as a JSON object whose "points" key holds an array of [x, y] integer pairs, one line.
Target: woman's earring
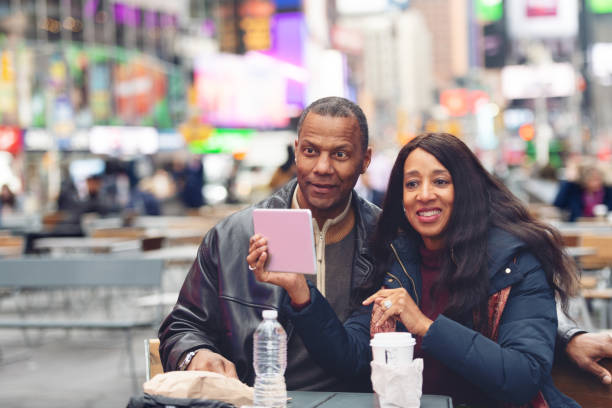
{"points": [[452, 254]]}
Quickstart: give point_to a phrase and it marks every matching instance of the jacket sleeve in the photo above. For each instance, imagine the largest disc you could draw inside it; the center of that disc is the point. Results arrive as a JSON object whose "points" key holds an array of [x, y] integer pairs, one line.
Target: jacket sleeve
{"points": [[195, 321], [514, 368], [342, 349], [566, 331]]}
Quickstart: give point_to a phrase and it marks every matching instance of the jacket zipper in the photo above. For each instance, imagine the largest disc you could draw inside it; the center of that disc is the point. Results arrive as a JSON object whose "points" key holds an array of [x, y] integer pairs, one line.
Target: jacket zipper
{"points": [[416, 295]]}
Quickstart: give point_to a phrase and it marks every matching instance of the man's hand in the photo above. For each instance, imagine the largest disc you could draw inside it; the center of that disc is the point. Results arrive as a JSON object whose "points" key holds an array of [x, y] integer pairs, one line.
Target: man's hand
{"points": [[206, 360], [586, 349], [294, 283]]}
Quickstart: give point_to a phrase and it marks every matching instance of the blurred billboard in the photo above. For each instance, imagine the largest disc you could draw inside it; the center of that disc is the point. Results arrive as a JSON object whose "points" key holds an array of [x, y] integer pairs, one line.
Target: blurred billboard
{"points": [[542, 18], [601, 61], [600, 6], [244, 91], [528, 81], [489, 10], [123, 140]]}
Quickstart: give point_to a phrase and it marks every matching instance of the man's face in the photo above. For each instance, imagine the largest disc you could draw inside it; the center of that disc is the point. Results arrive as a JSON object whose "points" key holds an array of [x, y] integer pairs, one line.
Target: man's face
{"points": [[329, 158]]}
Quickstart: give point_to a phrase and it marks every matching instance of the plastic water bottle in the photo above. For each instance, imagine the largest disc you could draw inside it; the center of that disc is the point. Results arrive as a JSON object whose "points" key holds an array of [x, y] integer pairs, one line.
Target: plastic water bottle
{"points": [[270, 362]]}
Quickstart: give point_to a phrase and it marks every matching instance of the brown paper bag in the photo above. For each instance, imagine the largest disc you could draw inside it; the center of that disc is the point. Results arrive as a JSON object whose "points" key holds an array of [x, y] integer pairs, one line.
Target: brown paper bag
{"points": [[200, 384]]}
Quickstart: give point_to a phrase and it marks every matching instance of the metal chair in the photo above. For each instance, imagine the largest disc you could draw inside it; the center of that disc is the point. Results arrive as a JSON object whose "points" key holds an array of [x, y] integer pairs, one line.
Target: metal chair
{"points": [[153, 365]]}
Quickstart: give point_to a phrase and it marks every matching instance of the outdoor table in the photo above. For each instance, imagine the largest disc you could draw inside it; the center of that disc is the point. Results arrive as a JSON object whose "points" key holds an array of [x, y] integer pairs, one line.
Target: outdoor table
{"points": [[175, 237], [579, 251], [312, 399], [63, 246], [183, 253], [580, 228]]}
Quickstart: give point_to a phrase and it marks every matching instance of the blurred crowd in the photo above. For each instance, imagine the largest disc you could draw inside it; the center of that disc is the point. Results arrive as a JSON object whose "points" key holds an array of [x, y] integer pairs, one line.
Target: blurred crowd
{"points": [[134, 187]]}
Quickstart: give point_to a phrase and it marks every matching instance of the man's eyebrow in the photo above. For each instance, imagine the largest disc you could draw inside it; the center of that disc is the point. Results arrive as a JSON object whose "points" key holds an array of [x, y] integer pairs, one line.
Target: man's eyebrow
{"points": [[341, 146], [345, 146], [416, 172]]}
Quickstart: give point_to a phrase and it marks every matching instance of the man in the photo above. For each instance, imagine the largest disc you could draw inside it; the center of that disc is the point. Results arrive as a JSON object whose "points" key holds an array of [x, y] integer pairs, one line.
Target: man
{"points": [[220, 303]]}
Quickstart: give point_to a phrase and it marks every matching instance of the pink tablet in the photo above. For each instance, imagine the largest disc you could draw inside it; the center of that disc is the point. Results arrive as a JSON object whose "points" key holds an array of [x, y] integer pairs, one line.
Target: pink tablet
{"points": [[290, 240]]}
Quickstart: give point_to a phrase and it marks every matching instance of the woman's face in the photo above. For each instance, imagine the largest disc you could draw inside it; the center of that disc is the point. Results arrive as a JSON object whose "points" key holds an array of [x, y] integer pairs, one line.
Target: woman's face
{"points": [[594, 181], [428, 196]]}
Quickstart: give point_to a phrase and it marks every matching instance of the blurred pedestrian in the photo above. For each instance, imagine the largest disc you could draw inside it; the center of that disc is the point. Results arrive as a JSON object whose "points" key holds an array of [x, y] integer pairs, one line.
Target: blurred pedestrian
{"points": [[96, 201], [190, 182], [376, 177], [142, 200], [582, 192], [284, 172], [68, 199], [8, 201]]}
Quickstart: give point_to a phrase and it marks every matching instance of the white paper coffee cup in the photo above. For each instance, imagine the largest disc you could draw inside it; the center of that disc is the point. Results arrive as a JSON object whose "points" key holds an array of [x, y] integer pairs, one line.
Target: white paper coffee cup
{"points": [[392, 348]]}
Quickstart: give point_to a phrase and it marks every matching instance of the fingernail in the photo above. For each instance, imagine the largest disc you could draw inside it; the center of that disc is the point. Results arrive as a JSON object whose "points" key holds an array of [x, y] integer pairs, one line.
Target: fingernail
{"points": [[607, 380]]}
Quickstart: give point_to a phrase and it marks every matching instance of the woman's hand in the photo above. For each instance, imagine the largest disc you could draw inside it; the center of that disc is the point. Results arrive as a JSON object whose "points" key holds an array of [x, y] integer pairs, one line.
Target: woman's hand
{"points": [[397, 302], [293, 283]]}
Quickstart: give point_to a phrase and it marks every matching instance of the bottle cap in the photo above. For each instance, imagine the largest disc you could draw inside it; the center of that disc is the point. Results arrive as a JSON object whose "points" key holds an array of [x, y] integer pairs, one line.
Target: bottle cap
{"points": [[269, 314]]}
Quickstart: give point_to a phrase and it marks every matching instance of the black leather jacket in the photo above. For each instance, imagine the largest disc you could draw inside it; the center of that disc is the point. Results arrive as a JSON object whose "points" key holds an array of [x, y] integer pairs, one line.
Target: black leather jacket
{"points": [[220, 303]]}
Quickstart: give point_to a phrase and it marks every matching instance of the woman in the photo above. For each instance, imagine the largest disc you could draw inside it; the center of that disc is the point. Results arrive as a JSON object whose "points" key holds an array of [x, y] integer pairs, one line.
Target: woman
{"points": [[580, 197], [450, 237]]}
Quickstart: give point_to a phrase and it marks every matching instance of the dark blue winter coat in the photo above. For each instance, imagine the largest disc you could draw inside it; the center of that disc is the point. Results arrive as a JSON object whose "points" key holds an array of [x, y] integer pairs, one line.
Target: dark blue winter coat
{"points": [[512, 369]]}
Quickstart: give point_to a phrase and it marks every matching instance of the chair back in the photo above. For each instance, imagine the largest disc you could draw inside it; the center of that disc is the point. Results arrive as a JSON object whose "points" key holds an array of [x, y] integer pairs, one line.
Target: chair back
{"points": [[152, 360], [125, 232], [603, 256], [582, 387], [11, 246]]}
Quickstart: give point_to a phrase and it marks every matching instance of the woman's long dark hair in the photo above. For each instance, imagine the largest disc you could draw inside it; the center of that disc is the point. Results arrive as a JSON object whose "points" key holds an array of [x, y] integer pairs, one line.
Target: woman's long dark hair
{"points": [[480, 202]]}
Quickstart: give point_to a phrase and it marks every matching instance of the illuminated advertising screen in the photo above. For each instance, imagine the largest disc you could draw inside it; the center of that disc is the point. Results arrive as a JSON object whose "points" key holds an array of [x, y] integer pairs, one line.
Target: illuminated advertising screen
{"points": [[100, 92], [10, 139], [241, 91], [284, 5], [600, 6], [255, 24], [529, 19], [489, 10], [139, 86], [223, 141], [541, 8], [601, 60], [120, 140], [550, 80], [288, 32], [348, 7]]}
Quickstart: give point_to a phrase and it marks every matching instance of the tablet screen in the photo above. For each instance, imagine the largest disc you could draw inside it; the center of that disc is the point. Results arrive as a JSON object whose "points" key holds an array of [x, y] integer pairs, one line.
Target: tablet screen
{"points": [[290, 239]]}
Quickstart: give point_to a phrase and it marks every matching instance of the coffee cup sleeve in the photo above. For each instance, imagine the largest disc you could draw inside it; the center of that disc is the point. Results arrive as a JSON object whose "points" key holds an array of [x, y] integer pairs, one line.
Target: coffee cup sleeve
{"points": [[398, 385]]}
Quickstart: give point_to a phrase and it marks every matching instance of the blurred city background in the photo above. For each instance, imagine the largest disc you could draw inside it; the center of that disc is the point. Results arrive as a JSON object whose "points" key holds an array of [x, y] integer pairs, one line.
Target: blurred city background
{"points": [[150, 120], [165, 91]]}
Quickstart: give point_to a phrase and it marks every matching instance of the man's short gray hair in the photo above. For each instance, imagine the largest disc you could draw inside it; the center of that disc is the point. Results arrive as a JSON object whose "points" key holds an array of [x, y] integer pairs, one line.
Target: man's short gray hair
{"points": [[337, 107]]}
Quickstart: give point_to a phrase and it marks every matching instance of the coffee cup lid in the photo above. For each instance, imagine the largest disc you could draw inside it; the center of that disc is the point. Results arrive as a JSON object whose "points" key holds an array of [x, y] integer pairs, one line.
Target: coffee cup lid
{"points": [[393, 339]]}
